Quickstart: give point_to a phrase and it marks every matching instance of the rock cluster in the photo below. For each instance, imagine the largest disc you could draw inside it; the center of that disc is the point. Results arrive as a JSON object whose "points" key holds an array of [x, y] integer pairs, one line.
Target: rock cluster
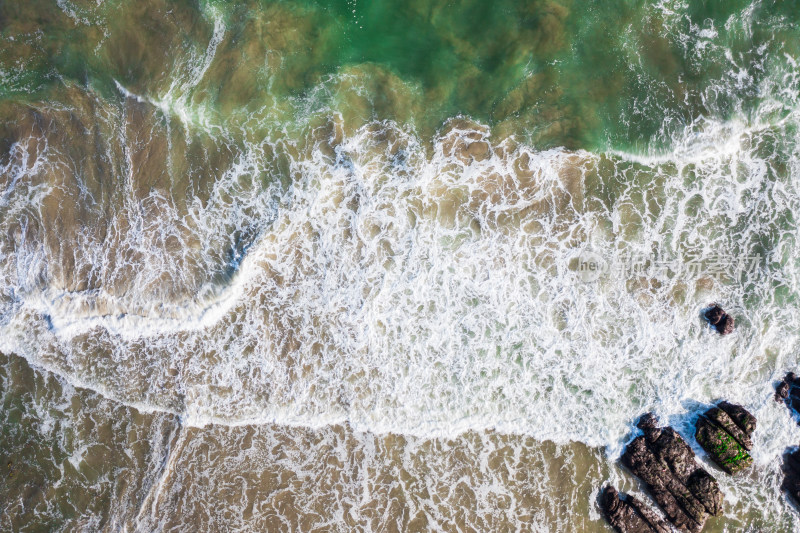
{"points": [[722, 321], [725, 433], [664, 461], [626, 514]]}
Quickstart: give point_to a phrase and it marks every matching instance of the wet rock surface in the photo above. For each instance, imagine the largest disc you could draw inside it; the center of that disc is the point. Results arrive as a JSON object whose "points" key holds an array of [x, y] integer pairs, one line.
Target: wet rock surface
{"points": [[722, 321], [627, 514], [724, 432], [788, 391], [686, 493]]}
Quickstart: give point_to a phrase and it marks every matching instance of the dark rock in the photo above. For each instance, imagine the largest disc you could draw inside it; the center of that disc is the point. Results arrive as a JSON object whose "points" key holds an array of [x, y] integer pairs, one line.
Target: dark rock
{"points": [[741, 416], [672, 496], [714, 314], [792, 460], [726, 325], [788, 390], [724, 432], [706, 489], [781, 391], [626, 514], [721, 447], [791, 469], [664, 461], [724, 421], [647, 421], [722, 321]]}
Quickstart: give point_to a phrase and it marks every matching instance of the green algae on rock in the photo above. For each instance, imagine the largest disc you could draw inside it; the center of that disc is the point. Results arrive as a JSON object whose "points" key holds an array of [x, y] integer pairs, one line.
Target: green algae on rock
{"points": [[724, 432]]}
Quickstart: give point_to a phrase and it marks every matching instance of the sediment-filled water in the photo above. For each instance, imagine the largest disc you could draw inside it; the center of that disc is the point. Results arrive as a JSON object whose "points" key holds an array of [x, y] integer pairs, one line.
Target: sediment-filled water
{"points": [[316, 266]]}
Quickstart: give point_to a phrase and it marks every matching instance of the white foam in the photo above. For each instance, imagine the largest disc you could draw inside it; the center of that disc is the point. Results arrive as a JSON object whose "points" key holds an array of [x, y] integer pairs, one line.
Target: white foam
{"points": [[429, 322]]}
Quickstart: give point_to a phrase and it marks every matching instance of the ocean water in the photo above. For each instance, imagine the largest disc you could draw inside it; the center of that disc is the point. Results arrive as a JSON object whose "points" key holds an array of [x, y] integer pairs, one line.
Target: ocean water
{"points": [[321, 266]]}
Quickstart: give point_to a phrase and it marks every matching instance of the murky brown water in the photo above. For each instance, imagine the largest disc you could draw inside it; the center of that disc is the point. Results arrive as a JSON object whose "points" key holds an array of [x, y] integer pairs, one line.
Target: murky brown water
{"points": [[75, 461]]}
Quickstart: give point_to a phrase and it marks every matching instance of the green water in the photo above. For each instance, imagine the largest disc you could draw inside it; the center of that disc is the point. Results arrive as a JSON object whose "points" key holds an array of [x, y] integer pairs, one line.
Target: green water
{"points": [[593, 74]]}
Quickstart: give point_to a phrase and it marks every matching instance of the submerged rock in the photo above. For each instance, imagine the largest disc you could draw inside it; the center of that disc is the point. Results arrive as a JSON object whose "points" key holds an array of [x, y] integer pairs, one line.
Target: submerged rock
{"points": [[722, 321], [626, 514], [791, 469], [664, 461], [725, 433]]}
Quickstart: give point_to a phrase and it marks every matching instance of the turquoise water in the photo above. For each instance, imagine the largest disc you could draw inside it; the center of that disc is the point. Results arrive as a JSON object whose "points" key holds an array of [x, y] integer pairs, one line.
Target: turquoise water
{"points": [[596, 75]]}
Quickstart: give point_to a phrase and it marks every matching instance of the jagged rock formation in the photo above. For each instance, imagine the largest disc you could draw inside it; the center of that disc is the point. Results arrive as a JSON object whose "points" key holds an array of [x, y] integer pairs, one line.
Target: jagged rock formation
{"points": [[724, 432], [664, 461], [722, 321], [626, 514]]}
